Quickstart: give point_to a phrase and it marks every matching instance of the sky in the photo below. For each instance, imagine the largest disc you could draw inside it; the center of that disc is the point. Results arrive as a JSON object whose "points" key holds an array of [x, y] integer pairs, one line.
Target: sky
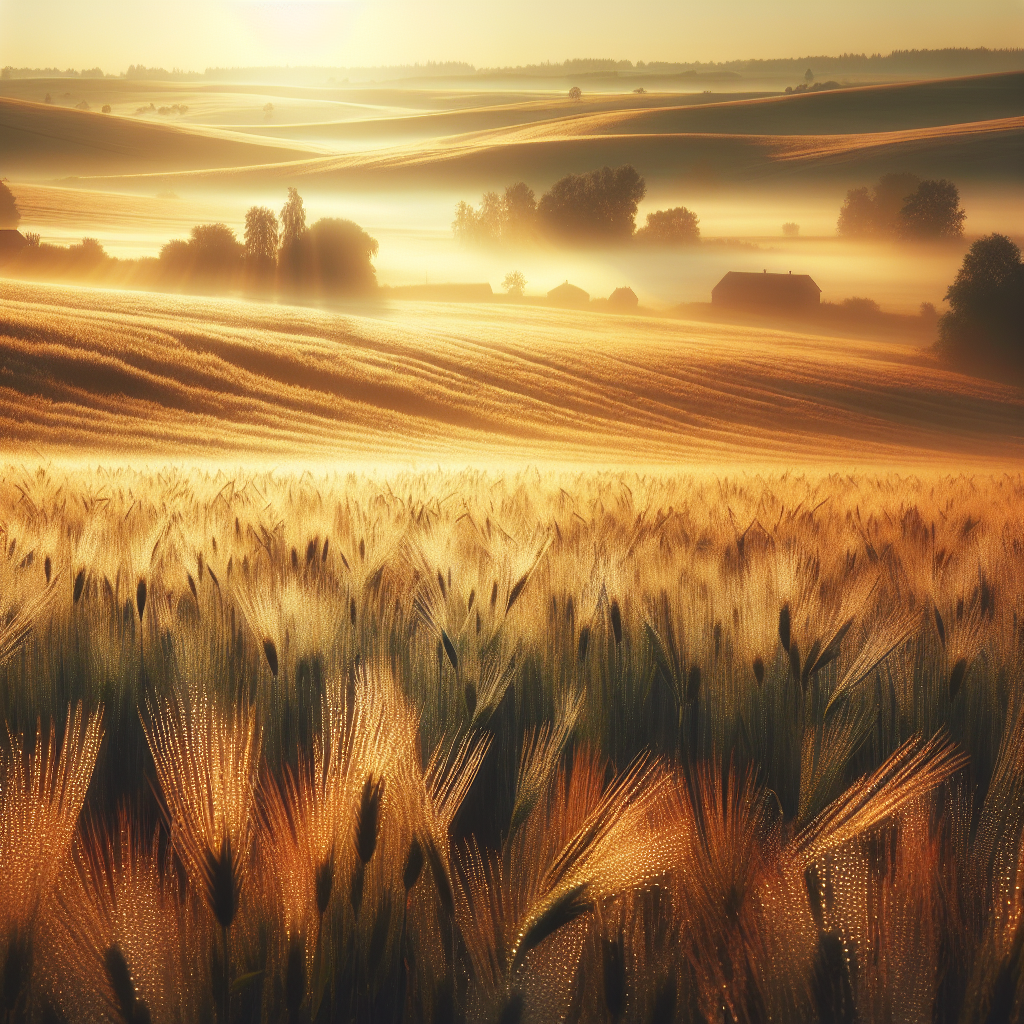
{"points": [[191, 35]]}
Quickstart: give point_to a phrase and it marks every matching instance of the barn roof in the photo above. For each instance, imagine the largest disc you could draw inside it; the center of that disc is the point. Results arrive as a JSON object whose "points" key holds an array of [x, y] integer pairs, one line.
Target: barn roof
{"points": [[765, 284], [568, 293]]}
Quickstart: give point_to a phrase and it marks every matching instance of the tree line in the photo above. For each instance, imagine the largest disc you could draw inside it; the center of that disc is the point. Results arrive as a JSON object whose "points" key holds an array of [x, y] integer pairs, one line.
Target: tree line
{"points": [[597, 206], [901, 205], [277, 254]]}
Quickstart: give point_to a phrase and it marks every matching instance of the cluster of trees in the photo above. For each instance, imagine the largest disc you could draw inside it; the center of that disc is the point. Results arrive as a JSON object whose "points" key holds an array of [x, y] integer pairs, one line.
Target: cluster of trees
{"points": [[596, 206], [811, 87], [331, 257], [901, 205], [670, 227], [983, 330]]}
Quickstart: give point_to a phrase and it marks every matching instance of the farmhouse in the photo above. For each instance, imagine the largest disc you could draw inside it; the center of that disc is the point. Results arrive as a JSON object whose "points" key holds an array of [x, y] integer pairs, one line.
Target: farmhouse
{"points": [[766, 291], [568, 295], [623, 299]]}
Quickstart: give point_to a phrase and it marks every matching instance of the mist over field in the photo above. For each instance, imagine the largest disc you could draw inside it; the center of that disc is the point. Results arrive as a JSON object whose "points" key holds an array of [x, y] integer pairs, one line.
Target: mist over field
{"points": [[512, 543]]}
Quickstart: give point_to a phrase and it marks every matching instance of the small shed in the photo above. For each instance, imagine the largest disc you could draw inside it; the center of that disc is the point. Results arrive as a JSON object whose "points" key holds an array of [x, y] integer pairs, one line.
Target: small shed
{"points": [[568, 295], [623, 298], [766, 291]]}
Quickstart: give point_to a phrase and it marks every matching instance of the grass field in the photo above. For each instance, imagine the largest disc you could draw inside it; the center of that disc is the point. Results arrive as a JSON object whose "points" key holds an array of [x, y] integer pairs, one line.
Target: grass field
{"points": [[142, 375], [485, 747]]}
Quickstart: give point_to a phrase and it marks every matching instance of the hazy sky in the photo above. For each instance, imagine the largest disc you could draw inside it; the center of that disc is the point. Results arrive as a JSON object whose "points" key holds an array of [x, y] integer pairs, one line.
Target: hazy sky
{"points": [[194, 35]]}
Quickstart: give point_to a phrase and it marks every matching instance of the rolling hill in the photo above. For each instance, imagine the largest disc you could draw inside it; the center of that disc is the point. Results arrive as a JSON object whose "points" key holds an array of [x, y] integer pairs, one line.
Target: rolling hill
{"points": [[49, 141], [137, 375]]}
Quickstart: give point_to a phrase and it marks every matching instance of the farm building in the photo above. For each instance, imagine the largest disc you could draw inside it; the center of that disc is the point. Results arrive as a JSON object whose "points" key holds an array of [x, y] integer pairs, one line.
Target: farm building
{"points": [[623, 298], [11, 242], [568, 295], [766, 291]]}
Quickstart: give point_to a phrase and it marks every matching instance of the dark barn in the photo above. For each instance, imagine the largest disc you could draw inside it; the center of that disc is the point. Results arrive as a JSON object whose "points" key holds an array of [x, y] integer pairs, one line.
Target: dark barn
{"points": [[766, 291]]}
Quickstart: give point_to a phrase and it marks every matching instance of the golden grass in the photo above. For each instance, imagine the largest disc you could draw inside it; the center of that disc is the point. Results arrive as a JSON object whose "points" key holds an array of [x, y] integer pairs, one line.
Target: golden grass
{"points": [[137, 375], [512, 758]]}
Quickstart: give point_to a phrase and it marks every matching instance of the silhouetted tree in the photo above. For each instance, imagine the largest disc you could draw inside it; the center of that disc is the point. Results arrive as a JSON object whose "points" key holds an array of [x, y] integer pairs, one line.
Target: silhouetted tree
{"points": [[791, 229], [87, 254], [500, 218], [215, 250], [890, 194], [293, 218], [598, 205], [9, 214], [105, 108], [933, 211], [857, 216], [260, 236], [331, 257], [209, 259], [875, 212], [293, 228], [576, 94], [670, 227], [520, 212], [514, 283], [984, 328]]}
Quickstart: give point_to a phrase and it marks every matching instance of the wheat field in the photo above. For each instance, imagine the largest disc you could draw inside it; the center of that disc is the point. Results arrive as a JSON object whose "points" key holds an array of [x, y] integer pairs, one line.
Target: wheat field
{"points": [[534, 746], [122, 375]]}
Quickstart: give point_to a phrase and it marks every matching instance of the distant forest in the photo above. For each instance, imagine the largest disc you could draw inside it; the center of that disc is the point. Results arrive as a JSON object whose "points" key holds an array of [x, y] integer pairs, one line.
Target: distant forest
{"points": [[952, 60]]}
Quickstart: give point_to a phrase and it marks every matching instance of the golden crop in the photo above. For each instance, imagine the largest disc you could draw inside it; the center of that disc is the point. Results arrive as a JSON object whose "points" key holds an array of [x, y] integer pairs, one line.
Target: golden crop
{"points": [[486, 747]]}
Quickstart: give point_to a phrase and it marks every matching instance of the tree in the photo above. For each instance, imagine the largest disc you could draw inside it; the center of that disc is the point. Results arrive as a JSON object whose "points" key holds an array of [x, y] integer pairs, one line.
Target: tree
{"points": [[260, 236], [933, 211], [890, 194], [857, 216], [875, 212], [520, 212], [808, 76], [293, 218], [514, 283], [506, 218], [9, 213], [598, 205], [982, 330], [670, 227], [89, 252], [333, 256], [341, 252], [105, 108], [576, 94], [214, 249], [791, 229]]}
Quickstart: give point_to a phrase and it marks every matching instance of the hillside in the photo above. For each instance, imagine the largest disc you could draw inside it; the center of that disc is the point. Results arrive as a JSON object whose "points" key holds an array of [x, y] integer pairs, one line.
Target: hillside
{"points": [[539, 154], [44, 140], [141, 375], [388, 138]]}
